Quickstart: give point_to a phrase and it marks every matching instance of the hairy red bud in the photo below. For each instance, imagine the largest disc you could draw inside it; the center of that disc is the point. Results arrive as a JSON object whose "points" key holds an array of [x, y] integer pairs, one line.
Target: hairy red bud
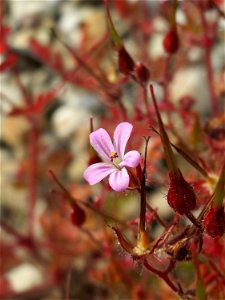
{"points": [[142, 73], [126, 63], [171, 41], [181, 196], [214, 221], [77, 215]]}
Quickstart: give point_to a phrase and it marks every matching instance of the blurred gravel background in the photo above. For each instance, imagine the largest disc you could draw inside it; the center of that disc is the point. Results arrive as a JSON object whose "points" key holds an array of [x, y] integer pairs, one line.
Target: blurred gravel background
{"points": [[66, 120]]}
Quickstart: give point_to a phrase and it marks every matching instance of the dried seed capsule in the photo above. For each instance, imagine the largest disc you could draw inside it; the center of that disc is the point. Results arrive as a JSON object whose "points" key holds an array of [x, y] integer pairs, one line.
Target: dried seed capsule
{"points": [[126, 63], [171, 41], [181, 196], [214, 221]]}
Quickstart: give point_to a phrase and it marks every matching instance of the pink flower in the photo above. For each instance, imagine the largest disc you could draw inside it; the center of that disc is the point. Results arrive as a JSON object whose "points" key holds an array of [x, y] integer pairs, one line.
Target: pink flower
{"points": [[113, 156]]}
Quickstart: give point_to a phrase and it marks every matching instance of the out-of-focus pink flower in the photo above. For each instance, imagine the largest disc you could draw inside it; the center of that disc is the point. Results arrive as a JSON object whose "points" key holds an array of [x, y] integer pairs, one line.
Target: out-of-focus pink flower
{"points": [[112, 153]]}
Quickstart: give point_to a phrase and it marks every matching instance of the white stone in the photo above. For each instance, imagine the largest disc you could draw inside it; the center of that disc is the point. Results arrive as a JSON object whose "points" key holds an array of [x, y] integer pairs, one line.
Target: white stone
{"points": [[191, 81], [155, 46], [24, 277], [181, 17], [66, 119]]}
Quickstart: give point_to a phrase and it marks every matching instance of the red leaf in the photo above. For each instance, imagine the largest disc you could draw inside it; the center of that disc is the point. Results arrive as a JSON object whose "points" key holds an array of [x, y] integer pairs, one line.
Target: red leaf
{"points": [[9, 62], [45, 53], [45, 98], [41, 51], [3, 39], [38, 106]]}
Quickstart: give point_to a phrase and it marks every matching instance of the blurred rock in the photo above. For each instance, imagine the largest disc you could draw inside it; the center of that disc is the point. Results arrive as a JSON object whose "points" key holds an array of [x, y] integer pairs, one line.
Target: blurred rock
{"points": [[23, 277], [192, 81]]}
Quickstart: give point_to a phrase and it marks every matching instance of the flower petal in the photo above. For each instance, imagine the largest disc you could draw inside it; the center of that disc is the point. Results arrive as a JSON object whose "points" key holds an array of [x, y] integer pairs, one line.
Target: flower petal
{"points": [[119, 180], [131, 159], [96, 172], [101, 142], [121, 136]]}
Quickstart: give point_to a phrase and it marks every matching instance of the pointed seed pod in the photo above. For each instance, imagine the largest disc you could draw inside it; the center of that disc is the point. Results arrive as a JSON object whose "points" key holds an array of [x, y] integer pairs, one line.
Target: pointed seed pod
{"points": [[171, 41], [181, 196], [142, 73], [125, 61], [214, 221], [77, 215]]}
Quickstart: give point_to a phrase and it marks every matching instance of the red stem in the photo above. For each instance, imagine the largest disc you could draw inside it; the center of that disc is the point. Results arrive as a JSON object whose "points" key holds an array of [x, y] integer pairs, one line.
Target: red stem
{"points": [[162, 275], [123, 110], [145, 98], [68, 284], [165, 140], [166, 79], [143, 191], [26, 95], [208, 63], [210, 80], [91, 124], [86, 204], [11, 230], [82, 63], [33, 153], [157, 217]]}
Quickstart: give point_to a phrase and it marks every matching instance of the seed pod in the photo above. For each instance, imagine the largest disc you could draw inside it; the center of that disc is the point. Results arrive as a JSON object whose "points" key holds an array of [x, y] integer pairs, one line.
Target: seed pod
{"points": [[126, 63], [214, 221], [77, 215], [171, 41], [142, 73], [181, 196]]}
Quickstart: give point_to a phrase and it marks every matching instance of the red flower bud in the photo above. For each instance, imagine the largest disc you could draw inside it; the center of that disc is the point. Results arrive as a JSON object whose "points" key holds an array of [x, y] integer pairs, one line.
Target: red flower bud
{"points": [[181, 196], [77, 215], [142, 73], [171, 41], [214, 221], [126, 63]]}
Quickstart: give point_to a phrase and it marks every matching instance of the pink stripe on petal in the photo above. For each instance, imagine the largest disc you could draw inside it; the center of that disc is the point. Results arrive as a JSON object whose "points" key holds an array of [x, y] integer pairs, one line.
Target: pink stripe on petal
{"points": [[121, 136], [119, 180], [101, 142], [96, 172], [131, 159]]}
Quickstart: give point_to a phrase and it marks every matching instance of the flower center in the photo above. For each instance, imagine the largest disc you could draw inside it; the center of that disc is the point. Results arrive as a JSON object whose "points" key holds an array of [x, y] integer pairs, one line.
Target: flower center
{"points": [[115, 159]]}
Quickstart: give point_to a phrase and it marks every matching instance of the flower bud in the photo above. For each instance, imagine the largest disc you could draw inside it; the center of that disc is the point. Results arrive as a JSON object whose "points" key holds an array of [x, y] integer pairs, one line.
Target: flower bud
{"points": [[171, 41], [181, 196], [142, 73], [214, 221], [77, 215], [126, 63]]}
